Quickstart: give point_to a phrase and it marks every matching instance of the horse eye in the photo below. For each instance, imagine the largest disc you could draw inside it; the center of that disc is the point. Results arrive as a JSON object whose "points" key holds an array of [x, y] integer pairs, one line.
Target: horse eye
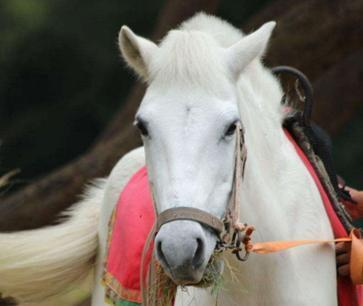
{"points": [[141, 125], [231, 129]]}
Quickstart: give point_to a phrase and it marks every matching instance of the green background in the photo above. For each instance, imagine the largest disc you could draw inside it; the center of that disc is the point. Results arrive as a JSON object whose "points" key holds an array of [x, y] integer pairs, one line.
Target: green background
{"points": [[62, 79]]}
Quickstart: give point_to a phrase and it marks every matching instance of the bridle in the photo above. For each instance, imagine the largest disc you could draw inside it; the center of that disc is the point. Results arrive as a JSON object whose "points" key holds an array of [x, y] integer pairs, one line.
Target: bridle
{"points": [[232, 234]]}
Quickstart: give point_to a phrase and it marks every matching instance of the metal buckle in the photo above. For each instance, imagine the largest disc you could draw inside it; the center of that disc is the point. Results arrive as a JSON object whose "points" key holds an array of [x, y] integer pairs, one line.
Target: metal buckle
{"points": [[240, 243]]}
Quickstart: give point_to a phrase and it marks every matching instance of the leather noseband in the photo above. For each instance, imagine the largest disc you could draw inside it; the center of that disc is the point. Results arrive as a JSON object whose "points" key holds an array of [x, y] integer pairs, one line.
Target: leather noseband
{"points": [[190, 213]]}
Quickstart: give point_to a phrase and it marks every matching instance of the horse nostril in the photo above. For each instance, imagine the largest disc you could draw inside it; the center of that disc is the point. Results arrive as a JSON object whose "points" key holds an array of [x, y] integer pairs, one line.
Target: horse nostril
{"points": [[197, 260], [160, 253]]}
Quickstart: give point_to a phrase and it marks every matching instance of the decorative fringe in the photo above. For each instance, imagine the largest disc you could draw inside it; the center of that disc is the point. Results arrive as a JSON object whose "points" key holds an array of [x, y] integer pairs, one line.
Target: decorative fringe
{"points": [[160, 290]]}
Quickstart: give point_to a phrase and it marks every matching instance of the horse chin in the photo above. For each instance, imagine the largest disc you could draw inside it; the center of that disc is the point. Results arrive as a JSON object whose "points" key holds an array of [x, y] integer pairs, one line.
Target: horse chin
{"points": [[185, 275], [186, 280], [204, 278]]}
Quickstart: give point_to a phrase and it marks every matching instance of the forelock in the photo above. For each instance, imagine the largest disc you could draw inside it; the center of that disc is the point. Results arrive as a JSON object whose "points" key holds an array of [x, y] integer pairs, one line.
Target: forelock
{"points": [[190, 57]]}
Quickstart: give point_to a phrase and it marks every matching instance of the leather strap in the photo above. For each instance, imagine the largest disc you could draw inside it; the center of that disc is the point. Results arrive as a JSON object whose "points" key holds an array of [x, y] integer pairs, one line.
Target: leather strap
{"points": [[190, 213], [233, 209]]}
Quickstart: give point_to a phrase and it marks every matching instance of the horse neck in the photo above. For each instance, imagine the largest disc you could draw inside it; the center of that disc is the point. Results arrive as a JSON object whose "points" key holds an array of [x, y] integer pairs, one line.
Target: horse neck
{"points": [[275, 186]]}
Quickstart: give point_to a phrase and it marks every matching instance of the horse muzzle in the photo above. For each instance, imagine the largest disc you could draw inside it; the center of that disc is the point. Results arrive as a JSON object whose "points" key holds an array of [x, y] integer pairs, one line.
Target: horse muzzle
{"points": [[183, 249]]}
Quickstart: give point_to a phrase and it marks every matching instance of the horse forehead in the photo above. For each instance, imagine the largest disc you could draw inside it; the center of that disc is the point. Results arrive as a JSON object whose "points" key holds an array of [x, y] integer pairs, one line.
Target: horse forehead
{"points": [[186, 101]]}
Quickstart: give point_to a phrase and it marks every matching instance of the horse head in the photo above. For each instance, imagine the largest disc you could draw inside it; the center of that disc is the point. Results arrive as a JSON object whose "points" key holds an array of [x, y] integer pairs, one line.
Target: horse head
{"points": [[188, 120]]}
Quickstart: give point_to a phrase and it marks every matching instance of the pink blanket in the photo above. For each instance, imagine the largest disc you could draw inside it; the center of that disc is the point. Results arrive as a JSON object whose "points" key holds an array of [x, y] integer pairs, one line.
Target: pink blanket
{"points": [[131, 224]]}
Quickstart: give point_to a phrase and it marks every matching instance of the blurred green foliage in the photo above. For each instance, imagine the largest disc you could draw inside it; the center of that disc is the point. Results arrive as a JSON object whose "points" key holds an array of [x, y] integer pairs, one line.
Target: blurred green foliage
{"points": [[61, 76], [62, 79]]}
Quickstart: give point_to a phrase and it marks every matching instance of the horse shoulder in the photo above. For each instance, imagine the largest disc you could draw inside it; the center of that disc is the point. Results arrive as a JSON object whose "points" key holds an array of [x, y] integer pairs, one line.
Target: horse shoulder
{"points": [[119, 176]]}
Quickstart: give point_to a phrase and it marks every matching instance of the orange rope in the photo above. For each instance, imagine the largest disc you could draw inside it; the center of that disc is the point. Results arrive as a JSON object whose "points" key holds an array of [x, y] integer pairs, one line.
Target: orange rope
{"points": [[276, 246], [356, 256]]}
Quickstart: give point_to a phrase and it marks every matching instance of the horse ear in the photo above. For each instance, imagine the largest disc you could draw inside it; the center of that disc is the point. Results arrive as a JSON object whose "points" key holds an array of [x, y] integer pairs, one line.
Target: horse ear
{"points": [[136, 51], [249, 48]]}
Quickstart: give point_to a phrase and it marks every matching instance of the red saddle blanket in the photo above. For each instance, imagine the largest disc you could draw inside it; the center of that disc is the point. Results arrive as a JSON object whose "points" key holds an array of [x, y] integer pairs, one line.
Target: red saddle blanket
{"points": [[132, 221], [348, 293]]}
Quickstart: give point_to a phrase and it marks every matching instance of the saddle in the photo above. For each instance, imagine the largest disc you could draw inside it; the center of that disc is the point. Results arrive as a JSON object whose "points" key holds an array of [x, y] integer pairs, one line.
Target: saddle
{"points": [[316, 145]]}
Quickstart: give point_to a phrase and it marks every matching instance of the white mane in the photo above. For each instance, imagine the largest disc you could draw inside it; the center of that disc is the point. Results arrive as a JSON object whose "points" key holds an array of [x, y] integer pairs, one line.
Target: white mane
{"points": [[191, 54], [223, 32]]}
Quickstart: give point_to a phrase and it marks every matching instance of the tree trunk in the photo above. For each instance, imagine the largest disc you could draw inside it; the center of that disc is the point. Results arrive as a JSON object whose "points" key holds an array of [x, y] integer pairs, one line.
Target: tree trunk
{"points": [[339, 90], [313, 35], [322, 38]]}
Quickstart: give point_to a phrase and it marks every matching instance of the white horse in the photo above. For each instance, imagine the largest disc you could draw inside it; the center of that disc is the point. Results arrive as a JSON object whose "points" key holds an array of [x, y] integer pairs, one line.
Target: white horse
{"points": [[202, 79]]}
